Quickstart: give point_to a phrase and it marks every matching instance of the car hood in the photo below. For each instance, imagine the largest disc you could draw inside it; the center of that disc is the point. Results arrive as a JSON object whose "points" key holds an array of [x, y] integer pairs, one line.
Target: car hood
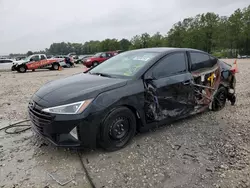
{"points": [[76, 88], [20, 62], [92, 58]]}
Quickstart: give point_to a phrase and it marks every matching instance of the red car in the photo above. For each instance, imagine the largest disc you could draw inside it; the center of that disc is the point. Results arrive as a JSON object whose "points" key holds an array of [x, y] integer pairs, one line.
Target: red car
{"points": [[98, 58]]}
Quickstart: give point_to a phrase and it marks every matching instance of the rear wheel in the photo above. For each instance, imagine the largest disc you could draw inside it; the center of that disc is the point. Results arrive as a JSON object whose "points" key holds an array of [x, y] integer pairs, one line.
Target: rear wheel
{"points": [[22, 69], [220, 99], [55, 66], [118, 129]]}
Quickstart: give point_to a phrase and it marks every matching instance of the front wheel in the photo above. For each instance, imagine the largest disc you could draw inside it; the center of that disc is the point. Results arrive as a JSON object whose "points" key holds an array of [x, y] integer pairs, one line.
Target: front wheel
{"points": [[55, 66], [118, 129], [22, 69], [220, 99]]}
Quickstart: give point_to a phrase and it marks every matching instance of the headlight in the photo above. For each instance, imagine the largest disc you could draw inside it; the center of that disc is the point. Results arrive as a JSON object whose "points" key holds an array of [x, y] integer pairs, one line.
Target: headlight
{"points": [[73, 108]]}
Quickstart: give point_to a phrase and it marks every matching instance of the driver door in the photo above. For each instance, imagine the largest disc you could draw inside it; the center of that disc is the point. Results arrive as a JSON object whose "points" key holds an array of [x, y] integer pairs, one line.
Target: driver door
{"points": [[34, 62], [169, 92]]}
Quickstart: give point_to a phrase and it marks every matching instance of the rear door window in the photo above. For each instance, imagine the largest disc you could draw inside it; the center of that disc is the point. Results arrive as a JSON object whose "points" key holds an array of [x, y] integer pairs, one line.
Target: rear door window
{"points": [[35, 58], [170, 65], [201, 61], [42, 57], [103, 55]]}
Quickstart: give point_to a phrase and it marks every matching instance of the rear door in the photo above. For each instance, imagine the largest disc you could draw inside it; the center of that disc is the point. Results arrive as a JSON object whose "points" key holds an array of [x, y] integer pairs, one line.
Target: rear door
{"points": [[6, 64], [169, 93], [43, 61], [206, 74]]}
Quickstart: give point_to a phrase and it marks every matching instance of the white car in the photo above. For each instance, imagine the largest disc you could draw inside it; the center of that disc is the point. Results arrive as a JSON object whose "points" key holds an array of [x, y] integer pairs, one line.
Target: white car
{"points": [[6, 64]]}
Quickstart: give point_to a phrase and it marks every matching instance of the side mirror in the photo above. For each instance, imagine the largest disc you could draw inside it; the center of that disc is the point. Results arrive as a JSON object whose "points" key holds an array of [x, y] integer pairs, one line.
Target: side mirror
{"points": [[149, 76]]}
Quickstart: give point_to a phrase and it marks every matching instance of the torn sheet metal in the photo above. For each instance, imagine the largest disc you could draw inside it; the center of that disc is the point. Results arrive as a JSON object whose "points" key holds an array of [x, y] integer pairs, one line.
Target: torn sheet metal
{"points": [[177, 100], [206, 83]]}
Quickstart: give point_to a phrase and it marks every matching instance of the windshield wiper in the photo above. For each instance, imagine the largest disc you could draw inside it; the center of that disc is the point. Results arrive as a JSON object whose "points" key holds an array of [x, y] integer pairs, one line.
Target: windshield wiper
{"points": [[101, 74]]}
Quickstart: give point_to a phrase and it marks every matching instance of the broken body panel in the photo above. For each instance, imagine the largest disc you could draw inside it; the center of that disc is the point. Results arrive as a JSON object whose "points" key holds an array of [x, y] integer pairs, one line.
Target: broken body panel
{"points": [[185, 94]]}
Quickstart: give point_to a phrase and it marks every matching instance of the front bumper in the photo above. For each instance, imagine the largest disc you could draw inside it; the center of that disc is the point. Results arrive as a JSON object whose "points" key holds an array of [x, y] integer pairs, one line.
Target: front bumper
{"points": [[64, 130], [13, 68], [87, 64]]}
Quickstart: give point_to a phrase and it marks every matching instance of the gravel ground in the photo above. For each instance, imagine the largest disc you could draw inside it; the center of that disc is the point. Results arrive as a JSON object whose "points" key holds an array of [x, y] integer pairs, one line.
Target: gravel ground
{"points": [[25, 160], [208, 150]]}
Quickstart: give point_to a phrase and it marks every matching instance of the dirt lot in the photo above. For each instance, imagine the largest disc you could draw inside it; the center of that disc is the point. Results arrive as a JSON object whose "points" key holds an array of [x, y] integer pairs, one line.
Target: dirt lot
{"points": [[208, 150]]}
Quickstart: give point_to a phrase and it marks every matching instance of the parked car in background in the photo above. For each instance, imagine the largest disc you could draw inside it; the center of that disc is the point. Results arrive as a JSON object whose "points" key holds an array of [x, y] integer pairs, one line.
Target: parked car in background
{"points": [[245, 57], [119, 51], [81, 58], [86, 57], [6, 64], [133, 91], [98, 58], [59, 56], [76, 59], [37, 61], [49, 56]]}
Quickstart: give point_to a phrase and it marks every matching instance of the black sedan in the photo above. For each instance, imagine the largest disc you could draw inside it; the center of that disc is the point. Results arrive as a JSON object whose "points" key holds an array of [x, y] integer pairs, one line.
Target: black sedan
{"points": [[133, 91]]}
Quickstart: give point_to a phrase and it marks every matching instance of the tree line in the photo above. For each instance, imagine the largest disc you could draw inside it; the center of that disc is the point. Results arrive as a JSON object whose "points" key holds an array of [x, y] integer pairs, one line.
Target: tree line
{"points": [[223, 36]]}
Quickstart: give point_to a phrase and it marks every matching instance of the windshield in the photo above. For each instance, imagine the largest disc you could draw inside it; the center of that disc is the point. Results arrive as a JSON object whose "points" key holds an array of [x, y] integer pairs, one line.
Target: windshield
{"points": [[27, 58], [97, 55], [126, 64]]}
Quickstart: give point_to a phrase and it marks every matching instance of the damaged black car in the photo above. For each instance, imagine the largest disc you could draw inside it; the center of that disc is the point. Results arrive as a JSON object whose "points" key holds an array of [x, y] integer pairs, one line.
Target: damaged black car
{"points": [[134, 91]]}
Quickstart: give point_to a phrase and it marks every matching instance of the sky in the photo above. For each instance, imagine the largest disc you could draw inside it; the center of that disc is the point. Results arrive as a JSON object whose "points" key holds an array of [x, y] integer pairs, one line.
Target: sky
{"points": [[35, 24]]}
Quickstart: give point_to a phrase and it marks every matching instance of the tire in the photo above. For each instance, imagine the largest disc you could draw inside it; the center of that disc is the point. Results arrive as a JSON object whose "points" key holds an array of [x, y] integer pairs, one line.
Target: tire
{"points": [[22, 69], [55, 66], [220, 99], [95, 64], [117, 129]]}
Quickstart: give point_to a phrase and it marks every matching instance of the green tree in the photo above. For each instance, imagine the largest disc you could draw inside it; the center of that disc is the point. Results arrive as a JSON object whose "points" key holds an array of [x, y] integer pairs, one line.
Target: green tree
{"points": [[136, 42], [29, 53], [236, 32], [222, 35], [124, 44], [157, 40]]}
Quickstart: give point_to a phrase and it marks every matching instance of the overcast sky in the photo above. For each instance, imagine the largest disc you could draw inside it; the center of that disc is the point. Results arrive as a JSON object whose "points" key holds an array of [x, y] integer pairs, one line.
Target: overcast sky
{"points": [[35, 24]]}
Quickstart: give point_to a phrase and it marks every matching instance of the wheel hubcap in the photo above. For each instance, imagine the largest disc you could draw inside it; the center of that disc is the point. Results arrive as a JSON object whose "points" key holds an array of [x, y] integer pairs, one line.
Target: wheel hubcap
{"points": [[119, 129]]}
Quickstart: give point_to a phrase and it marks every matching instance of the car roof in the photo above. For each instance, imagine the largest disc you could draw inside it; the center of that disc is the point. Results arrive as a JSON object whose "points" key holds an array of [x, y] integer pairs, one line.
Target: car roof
{"points": [[166, 49]]}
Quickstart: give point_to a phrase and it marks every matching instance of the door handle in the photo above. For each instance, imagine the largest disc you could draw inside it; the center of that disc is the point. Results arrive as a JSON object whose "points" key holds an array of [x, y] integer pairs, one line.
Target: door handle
{"points": [[187, 82]]}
